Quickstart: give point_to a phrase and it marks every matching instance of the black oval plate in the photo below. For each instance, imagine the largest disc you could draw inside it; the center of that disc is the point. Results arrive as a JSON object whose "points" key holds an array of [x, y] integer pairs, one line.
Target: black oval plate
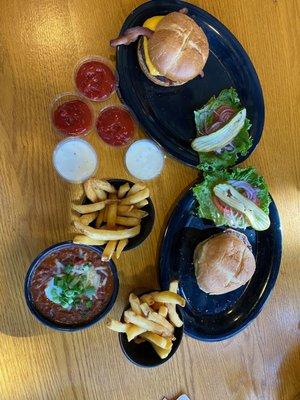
{"points": [[209, 317], [167, 114]]}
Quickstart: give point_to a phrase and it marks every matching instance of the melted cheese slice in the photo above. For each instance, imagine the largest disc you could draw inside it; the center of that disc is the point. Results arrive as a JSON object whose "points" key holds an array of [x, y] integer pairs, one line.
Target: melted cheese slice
{"points": [[151, 23]]}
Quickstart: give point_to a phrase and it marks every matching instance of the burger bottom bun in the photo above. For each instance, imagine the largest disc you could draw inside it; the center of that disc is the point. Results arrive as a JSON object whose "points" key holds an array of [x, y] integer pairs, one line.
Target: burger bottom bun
{"points": [[158, 80], [224, 262]]}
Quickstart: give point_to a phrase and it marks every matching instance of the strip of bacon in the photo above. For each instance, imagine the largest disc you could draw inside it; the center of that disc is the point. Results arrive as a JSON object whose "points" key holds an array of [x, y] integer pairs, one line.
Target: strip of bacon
{"points": [[131, 35]]}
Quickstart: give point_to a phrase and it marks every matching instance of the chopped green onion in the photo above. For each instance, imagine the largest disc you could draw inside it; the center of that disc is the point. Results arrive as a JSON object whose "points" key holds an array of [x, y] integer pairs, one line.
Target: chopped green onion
{"points": [[89, 303], [90, 291], [68, 268]]}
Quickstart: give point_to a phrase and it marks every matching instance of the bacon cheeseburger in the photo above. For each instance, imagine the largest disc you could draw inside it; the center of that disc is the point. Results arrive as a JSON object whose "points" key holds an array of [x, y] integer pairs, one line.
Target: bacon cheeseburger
{"points": [[173, 49]]}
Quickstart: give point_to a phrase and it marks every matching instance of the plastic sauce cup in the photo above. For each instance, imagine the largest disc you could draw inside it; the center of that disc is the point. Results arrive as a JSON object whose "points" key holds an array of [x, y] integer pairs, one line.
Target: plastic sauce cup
{"points": [[75, 160], [144, 159]]}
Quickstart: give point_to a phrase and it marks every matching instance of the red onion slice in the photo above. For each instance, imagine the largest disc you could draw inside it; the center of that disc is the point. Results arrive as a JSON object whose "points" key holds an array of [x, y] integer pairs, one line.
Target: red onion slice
{"points": [[224, 113], [249, 191]]}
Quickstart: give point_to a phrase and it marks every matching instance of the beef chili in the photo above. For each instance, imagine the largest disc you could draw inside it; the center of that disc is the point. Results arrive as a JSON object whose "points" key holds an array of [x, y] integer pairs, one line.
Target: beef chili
{"points": [[71, 285]]}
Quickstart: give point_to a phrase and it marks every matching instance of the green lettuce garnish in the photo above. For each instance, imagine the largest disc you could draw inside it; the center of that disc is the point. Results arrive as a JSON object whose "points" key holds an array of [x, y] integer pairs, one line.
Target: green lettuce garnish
{"points": [[203, 192], [242, 142]]}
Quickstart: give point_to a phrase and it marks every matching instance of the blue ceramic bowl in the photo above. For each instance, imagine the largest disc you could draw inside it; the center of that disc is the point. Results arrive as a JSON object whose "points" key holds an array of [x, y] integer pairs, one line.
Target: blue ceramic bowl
{"points": [[49, 322], [143, 354]]}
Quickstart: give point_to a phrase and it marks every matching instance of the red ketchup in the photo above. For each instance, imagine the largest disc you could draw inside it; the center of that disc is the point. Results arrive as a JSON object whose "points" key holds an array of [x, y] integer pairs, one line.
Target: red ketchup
{"points": [[73, 118], [115, 126], [95, 80]]}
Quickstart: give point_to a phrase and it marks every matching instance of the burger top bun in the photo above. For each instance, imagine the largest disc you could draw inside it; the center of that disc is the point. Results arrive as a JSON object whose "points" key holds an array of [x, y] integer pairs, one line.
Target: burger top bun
{"points": [[178, 48], [224, 262]]}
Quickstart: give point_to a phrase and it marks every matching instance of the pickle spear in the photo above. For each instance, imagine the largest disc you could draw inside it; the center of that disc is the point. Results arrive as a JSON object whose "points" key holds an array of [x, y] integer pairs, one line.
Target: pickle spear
{"points": [[258, 219], [221, 137]]}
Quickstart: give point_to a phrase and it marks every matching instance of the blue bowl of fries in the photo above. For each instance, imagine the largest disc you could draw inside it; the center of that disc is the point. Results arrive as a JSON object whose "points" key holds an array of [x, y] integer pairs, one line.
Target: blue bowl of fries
{"points": [[133, 218], [151, 327]]}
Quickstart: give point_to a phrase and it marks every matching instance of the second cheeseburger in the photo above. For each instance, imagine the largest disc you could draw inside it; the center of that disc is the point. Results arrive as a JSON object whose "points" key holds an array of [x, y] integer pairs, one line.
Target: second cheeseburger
{"points": [[224, 262], [173, 49]]}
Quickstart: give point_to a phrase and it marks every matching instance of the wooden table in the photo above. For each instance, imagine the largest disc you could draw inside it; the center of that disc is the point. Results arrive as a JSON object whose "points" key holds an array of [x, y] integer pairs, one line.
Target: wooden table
{"points": [[40, 42]]}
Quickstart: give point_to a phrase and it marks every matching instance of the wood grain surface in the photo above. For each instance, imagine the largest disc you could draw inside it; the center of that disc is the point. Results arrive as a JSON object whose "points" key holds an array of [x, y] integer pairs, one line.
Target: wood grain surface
{"points": [[40, 42]]}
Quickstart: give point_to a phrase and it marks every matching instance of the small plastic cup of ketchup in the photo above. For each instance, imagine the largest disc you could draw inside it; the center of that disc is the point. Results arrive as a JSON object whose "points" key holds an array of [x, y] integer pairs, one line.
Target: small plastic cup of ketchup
{"points": [[71, 115], [95, 78], [116, 126]]}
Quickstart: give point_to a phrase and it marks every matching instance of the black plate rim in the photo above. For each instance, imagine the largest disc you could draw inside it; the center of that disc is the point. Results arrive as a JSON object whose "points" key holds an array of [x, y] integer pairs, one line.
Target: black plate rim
{"points": [[267, 291], [150, 128]]}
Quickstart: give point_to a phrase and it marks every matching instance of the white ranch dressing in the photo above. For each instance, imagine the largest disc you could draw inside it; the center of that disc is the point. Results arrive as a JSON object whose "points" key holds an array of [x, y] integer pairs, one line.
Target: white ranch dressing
{"points": [[144, 159], [75, 160]]}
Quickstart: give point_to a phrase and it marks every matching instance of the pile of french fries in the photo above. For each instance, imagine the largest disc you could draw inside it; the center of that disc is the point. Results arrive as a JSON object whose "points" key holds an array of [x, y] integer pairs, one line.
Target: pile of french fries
{"points": [[116, 213], [152, 318]]}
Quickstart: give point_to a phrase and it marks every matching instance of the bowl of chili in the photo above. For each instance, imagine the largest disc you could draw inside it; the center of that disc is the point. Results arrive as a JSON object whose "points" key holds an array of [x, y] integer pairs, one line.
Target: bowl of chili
{"points": [[68, 287]]}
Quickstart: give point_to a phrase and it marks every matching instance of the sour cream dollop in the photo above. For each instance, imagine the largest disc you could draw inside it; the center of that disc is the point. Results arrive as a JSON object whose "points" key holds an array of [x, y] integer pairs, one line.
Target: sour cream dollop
{"points": [[144, 159], [75, 160]]}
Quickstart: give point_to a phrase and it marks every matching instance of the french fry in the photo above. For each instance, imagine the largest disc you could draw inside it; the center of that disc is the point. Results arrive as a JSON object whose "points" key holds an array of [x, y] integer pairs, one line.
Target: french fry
{"points": [[117, 326], [100, 193], [105, 214], [173, 316], [124, 209], [159, 319], [136, 198], [89, 208], [169, 297], [135, 304], [163, 311], [124, 221], [151, 337], [156, 306], [120, 247], [82, 239], [163, 353], [130, 221], [103, 185], [142, 322], [123, 189], [99, 219], [145, 309], [112, 212], [109, 250], [89, 191], [105, 234], [133, 331], [142, 203], [86, 219], [139, 340], [137, 187], [148, 298], [173, 287], [134, 212]]}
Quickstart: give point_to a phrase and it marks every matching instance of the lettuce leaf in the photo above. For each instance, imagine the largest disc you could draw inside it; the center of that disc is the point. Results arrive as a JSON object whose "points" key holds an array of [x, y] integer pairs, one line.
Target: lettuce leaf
{"points": [[203, 192], [242, 142]]}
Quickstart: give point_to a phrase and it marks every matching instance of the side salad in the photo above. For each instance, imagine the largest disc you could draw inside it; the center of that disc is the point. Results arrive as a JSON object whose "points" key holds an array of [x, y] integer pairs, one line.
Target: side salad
{"points": [[238, 198], [223, 131]]}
